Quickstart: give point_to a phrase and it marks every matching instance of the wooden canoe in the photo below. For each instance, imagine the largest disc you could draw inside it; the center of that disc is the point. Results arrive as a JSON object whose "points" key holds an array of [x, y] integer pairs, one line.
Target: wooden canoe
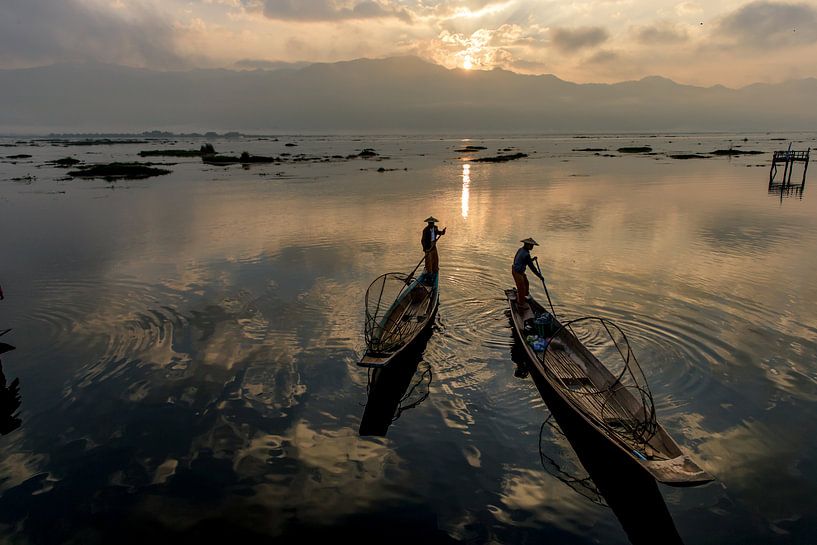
{"points": [[569, 371], [400, 327]]}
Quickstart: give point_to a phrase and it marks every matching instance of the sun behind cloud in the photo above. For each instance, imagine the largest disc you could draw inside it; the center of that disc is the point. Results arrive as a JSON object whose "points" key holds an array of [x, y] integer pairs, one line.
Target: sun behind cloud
{"points": [[731, 43]]}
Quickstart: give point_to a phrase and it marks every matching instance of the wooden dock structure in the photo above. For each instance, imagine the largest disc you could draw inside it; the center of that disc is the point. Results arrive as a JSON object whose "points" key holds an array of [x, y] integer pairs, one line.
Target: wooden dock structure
{"points": [[788, 158]]}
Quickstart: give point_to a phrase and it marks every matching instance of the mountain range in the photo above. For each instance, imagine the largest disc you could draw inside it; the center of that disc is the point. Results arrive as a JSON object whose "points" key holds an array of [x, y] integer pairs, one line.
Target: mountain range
{"points": [[390, 95]]}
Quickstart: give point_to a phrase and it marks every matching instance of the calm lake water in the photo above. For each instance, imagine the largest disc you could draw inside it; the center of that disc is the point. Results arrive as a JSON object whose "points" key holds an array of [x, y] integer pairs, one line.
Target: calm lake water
{"points": [[187, 344]]}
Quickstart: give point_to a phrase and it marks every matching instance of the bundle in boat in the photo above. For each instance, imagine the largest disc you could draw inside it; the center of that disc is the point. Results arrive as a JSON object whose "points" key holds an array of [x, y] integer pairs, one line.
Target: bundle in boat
{"points": [[398, 308]]}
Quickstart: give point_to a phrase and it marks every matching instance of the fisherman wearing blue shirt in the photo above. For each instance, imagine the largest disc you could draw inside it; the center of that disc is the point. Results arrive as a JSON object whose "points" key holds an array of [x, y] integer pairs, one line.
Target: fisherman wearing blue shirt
{"points": [[521, 261]]}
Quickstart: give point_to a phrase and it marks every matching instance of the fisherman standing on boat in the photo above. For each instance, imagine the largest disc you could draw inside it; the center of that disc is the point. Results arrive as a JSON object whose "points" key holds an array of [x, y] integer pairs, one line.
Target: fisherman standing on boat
{"points": [[521, 261], [429, 240]]}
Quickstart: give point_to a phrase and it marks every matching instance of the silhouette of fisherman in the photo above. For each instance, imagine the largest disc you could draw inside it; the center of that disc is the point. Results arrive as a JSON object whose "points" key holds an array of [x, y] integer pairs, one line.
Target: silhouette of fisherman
{"points": [[431, 234], [521, 261]]}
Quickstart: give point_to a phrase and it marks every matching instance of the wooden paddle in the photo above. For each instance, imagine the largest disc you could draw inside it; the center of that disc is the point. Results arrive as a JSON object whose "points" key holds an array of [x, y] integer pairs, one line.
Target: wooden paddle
{"points": [[542, 278]]}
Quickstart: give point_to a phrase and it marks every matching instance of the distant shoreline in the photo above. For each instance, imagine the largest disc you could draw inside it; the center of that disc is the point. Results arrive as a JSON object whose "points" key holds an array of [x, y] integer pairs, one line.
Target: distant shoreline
{"points": [[459, 134]]}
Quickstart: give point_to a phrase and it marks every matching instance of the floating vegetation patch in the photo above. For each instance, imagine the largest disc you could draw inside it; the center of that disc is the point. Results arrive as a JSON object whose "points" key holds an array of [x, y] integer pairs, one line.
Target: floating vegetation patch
{"points": [[244, 159], [635, 149], [500, 158], [470, 149], [367, 153], [590, 149], [119, 171], [64, 162], [27, 179]]}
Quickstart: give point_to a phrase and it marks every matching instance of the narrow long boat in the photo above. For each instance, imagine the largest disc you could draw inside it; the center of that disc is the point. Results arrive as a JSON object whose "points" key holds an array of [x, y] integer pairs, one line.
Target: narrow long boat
{"points": [[393, 328], [583, 385]]}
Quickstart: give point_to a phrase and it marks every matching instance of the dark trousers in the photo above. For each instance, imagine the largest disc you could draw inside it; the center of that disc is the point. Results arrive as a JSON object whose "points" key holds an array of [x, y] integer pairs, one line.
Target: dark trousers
{"points": [[432, 261]]}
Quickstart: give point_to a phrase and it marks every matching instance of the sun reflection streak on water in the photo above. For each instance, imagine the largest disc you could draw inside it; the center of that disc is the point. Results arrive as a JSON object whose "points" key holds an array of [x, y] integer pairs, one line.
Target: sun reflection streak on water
{"points": [[466, 188]]}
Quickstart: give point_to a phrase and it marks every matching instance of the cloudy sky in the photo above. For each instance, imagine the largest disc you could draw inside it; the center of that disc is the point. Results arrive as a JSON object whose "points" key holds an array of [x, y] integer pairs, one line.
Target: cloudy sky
{"points": [[730, 42]]}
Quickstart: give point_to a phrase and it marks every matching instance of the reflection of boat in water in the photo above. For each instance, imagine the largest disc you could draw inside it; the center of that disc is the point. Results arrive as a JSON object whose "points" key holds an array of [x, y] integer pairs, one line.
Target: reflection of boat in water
{"points": [[396, 388], [9, 397], [399, 309], [631, 493], [567, 373]]}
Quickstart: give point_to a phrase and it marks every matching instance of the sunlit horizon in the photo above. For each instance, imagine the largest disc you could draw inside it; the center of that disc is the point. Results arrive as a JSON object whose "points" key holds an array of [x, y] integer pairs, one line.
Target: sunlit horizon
{"points": [[729, 43]]}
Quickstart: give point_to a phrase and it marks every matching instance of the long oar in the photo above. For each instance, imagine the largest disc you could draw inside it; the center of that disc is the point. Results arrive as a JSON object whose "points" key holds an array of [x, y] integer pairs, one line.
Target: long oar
{"points": [[433, 245], [542, 278], [411, 274]]}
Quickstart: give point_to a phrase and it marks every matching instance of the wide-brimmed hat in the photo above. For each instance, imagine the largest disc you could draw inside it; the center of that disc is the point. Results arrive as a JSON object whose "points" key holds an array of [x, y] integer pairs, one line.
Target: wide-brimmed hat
{"points": [[431, 219], [530, 241]]}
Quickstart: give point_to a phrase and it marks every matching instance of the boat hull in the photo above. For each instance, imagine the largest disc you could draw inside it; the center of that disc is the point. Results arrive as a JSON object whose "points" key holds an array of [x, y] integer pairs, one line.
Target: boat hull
{"points": [[676, 469], [376, 359]]}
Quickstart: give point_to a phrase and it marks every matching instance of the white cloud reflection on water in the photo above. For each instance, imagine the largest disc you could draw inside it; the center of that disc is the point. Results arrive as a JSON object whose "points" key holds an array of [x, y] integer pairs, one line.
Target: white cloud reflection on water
{"points": [[341, 473]]}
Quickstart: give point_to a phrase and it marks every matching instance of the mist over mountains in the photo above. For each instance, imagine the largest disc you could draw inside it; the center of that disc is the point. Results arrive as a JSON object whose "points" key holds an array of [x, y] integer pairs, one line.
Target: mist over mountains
{"points": [[390, 95]]}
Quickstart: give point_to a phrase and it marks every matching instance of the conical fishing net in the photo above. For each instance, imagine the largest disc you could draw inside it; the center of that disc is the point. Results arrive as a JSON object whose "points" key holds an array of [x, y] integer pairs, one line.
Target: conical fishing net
{"points": [[629, 418], [396, 308]]}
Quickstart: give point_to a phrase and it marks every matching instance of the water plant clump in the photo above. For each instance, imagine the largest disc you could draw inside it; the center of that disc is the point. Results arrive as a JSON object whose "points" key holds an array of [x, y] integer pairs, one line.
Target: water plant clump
{"points": [[118, 171]]}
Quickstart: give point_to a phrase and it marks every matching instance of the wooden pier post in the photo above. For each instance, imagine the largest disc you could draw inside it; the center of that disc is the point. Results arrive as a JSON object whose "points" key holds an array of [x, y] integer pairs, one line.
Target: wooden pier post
{"points": [[786, 169], [788, 158]]}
